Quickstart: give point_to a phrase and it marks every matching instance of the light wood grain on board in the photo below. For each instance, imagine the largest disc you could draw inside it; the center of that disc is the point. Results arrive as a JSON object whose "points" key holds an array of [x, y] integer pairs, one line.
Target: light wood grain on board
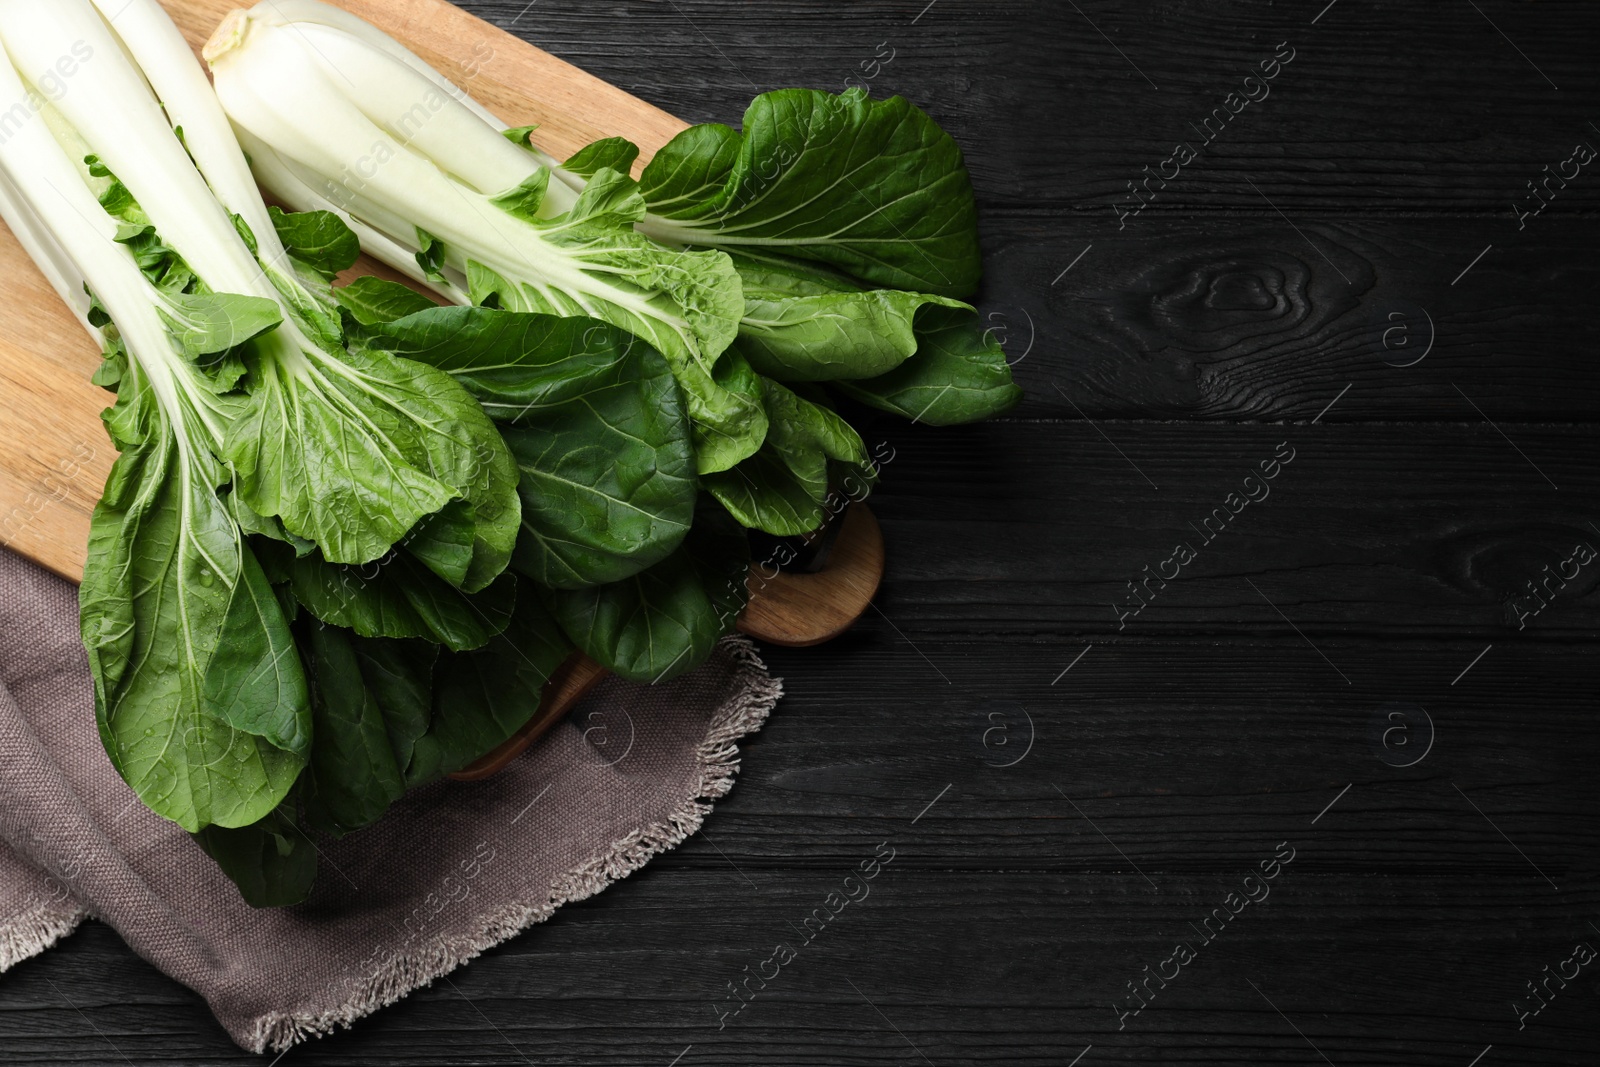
{"points": [[54, 454]]}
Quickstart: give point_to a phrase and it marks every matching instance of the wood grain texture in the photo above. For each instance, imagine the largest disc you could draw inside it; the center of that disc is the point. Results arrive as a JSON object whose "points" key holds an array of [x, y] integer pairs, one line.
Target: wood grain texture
{"points": [[802, 610], [1372, 531], [1007, 924], [1243, 319], [1188, 745]]}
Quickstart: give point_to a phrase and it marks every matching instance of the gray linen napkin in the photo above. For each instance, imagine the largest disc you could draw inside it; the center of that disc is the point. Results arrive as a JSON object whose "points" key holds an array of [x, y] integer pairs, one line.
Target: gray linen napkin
{"points": [[454, 869]]}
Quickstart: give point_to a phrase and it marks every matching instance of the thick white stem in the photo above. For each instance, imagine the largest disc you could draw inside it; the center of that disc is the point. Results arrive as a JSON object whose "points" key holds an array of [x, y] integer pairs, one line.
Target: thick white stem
{"points": [[158, 47], [109, 103], [49, 183], [416, 112], [313, 13], [296, 190], [270, 81], [414, 102]]}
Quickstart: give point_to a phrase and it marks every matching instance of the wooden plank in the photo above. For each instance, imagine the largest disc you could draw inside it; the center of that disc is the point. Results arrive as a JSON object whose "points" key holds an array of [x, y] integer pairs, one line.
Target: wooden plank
{"points": [[1240, 318], [54, 453], [1386, 110], [1408, 923], [1007, 925], [1373, 530], [49, 412]]}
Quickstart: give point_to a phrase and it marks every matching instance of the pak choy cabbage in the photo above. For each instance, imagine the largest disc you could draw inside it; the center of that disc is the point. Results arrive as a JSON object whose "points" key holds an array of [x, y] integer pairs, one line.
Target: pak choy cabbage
{"points": [[846, 226], [352, 533], [286, 501]]}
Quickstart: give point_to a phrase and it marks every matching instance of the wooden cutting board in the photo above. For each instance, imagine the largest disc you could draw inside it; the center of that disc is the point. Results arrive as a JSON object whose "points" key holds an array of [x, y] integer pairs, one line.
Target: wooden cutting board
{"points": [[54, 454]]}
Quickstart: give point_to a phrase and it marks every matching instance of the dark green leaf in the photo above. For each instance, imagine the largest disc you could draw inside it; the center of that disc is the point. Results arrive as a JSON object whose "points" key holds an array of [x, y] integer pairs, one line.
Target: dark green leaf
{"points": [[254, 681], [729, 419], [442, 542], [352, 777], [246, 233], [271, 861], [873, 187], [665, 621], [692, 171], [400, 675], [401, 598], [115, 197], [374, 301], [617, 153], [808, 324], [523, 202], [610, 198], [596, 423], [318, 239], [351, 452], [783, 488], [481, 698], [958, 375], [431, 255], [216, 322], [261, 527]]}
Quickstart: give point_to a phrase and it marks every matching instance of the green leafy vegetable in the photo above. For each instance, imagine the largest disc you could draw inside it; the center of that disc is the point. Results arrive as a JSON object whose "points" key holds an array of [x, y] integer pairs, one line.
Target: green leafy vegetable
{"points": [[666, 620], [175, 614], [805, 324], [373, 301], [401, 598], [783, 488], [481, 698], [422, 442], [353, 776], [616, 153], [873, 187], [958, 375], [597, 426], [400, 676], [318, 239], [272, 861], [481, 214]]}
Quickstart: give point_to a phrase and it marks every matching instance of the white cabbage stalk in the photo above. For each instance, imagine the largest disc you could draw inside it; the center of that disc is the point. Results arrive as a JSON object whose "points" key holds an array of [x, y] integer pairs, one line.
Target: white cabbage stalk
{"points": [[136, 141], [337, 116], [373, 146], [315, 13], [49, 208], [156, 49], [412, 104], [296, 192], [304, 14]]}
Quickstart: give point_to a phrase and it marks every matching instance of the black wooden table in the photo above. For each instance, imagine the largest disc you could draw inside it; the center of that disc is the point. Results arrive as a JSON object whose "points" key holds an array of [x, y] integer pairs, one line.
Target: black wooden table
{"points": [[1327, 741]]}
